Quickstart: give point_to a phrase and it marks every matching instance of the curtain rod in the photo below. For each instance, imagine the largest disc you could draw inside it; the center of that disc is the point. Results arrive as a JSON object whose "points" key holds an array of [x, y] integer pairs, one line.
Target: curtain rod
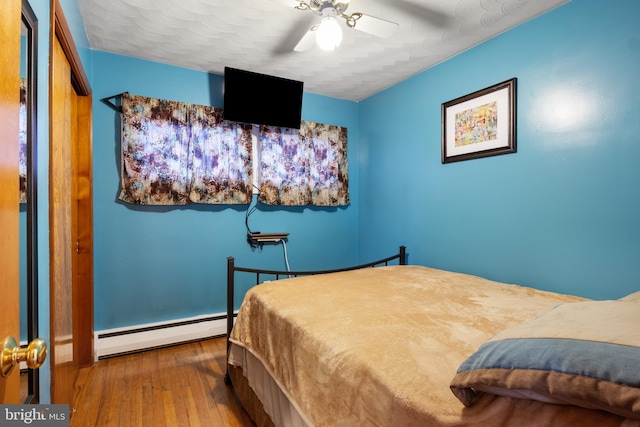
{"points": [[111, 105]]}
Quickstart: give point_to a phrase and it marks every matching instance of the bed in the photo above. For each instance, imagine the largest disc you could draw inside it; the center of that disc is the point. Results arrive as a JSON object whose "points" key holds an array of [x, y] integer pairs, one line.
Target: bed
{"points": [[391, 344]]}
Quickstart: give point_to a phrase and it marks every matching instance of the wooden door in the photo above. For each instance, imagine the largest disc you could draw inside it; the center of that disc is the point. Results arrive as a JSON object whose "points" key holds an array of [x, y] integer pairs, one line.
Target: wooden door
{"points": [[10, 19], [70, 213]]}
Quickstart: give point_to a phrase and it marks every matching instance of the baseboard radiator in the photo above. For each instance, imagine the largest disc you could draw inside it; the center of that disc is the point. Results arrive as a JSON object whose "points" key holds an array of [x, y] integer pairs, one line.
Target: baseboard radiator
{"points": [[137, 338]]}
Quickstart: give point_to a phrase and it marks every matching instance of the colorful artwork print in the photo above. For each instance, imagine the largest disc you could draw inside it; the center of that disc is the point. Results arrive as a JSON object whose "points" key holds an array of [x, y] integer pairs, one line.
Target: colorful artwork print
{"points": [[304, 167], [175, 153], [476, 125]]}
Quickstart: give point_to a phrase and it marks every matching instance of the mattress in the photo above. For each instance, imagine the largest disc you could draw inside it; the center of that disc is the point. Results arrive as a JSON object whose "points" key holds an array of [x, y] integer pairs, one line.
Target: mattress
{"points": [[380, 347]]}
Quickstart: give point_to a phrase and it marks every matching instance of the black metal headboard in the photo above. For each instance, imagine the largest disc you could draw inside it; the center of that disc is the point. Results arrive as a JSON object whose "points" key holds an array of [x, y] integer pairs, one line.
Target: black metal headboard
{"points": [[278, 274]]}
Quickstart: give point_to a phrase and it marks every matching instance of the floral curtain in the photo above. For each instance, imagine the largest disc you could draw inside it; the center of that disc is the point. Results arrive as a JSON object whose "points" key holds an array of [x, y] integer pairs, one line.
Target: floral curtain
{"points": [[174, 153], [304, 167]]}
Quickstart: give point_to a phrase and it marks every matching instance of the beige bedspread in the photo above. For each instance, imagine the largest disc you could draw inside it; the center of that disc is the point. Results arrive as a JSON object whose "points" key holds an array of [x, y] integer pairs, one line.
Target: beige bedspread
{"points": [[380, 346]]}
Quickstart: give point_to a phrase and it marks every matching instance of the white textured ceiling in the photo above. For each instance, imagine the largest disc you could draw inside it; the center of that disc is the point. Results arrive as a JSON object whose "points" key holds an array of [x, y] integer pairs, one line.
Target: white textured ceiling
{"points": [[259, 36]]}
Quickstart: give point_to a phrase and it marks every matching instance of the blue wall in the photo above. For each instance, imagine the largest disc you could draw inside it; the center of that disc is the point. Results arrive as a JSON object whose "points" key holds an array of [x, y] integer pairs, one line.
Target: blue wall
{"points": [[560, 214], [157, 263]]}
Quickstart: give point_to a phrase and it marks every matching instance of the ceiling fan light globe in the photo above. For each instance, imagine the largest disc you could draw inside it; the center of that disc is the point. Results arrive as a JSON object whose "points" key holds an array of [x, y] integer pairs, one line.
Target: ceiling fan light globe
{"points": [[329, 34]]}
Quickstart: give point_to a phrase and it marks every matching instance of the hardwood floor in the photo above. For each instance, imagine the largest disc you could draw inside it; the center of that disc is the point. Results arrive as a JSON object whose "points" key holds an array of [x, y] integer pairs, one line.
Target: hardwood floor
{"points": [[174, 386]]}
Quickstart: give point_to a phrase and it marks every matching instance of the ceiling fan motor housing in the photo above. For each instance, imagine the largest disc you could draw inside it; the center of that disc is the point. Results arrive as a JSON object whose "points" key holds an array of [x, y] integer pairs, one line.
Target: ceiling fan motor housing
{"points": [[320, 6]]}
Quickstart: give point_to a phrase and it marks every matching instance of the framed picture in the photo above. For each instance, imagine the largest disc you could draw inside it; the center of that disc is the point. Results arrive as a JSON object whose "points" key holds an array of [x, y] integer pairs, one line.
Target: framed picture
{"points": [[480, 124]]}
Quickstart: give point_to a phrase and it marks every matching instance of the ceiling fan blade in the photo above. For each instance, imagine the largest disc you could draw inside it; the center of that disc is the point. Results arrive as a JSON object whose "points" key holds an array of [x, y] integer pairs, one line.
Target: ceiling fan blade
{"points": [[307, 41], [294, 35], [372, 25]]}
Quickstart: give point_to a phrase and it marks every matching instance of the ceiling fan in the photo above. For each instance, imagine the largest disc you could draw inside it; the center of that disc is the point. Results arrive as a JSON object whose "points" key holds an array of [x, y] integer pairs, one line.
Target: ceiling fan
{"points": [[328, 34]]}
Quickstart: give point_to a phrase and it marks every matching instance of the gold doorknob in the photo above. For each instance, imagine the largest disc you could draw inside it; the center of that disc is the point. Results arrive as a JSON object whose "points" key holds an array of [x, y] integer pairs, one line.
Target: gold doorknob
{"points": [[33, 355]]}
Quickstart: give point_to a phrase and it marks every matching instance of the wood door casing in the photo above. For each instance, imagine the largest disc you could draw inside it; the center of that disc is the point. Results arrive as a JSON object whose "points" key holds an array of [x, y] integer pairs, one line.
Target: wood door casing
{"points": [[82, 193], [70, 212], [61, 246], [10, 20]]}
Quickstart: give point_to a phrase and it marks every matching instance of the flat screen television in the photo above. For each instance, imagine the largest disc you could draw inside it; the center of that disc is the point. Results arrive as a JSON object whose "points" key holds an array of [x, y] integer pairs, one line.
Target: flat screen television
{"points": [[261, 99]]}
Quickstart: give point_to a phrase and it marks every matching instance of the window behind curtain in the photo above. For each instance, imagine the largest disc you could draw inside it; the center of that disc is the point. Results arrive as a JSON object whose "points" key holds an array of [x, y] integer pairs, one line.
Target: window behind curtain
{"points": [[174, 153], [304, 167]]}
